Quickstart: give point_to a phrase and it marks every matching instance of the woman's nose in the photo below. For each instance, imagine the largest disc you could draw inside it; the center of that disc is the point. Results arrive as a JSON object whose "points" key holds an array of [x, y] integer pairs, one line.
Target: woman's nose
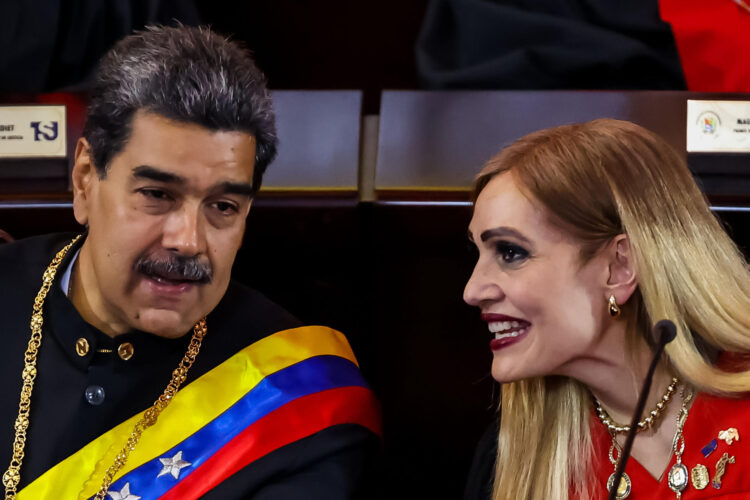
{"points": [[481, 287]]}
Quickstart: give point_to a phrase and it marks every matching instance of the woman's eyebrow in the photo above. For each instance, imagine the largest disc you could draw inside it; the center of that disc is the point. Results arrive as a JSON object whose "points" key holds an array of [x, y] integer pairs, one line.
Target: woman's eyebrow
{"points": [[503, 231]]}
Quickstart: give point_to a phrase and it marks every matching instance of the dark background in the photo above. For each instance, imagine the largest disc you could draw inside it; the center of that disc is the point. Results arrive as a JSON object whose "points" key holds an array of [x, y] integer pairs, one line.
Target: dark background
{"points": [[329, 44], [53, 45]]}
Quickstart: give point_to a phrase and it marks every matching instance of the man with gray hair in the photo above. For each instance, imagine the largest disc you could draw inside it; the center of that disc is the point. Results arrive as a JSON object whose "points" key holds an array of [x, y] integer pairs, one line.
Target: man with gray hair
{"points": [[145, 371]]}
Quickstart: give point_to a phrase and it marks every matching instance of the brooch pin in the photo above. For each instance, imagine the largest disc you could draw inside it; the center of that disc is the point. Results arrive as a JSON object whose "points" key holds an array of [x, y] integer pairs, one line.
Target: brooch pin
{"points": [[729, 435], [699, 476], [721, 466], [709, 448]]}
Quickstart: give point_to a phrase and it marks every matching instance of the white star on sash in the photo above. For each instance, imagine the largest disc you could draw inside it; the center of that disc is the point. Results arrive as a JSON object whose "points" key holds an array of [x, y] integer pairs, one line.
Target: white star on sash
{"points": [[123, 494], [173, 465]]}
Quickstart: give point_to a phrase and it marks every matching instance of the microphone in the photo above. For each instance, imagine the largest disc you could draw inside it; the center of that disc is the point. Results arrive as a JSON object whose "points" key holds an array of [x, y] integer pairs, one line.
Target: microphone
{"points": [[665, 332]]}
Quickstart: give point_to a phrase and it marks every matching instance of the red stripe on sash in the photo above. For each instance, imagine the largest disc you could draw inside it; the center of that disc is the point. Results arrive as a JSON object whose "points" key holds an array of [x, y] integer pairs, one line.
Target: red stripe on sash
{"points": [[296, 420]]}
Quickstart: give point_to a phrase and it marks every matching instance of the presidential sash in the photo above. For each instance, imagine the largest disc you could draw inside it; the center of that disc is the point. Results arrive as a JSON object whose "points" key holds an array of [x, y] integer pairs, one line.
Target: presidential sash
{"points": [[281, 389]]}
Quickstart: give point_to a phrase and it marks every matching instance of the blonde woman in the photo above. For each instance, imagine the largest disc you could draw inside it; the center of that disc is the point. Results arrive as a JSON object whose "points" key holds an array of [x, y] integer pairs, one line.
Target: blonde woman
{"points": [[588, 234]]}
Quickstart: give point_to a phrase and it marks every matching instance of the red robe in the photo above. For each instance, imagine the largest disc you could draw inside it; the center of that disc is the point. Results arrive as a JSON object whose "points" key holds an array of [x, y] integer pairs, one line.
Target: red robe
{"points": [[707, 416], [713, 39]]}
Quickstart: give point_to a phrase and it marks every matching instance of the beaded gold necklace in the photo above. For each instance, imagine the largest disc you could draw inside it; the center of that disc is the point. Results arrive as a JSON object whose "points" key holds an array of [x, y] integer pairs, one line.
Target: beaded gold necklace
{"points": [[653, 416]]}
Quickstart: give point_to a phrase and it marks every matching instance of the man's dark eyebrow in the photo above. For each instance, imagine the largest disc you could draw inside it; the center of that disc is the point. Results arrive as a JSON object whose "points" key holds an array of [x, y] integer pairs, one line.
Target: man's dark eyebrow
{"points": [[503, 231], [238, 188], [155, 174]]}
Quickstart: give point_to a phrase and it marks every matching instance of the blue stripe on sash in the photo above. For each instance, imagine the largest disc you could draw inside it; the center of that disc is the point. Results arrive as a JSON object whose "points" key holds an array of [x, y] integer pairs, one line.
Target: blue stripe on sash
{"points": [[306, 377]]}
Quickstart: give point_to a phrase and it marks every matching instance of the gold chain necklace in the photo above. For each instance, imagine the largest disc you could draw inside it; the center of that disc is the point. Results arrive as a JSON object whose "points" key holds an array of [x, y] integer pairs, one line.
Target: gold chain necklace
{"points": [[623, 489], [150, 415], [12, 475], [653, 416], [677, 478]]}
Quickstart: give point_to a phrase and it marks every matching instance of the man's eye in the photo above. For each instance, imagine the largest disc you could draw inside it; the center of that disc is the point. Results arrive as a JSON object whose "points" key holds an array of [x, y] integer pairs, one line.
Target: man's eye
{"points": [[225, 207], [510, 253], [155, 194]]}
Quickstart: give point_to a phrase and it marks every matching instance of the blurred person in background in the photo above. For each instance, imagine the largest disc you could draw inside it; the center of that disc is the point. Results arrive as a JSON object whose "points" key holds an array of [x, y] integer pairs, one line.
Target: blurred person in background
{"points": [[586, 44]]}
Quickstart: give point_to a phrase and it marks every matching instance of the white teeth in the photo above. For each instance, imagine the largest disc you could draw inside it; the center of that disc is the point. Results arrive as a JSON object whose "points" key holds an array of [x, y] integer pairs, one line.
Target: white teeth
{"points": [[506, 328], [516, 333]]}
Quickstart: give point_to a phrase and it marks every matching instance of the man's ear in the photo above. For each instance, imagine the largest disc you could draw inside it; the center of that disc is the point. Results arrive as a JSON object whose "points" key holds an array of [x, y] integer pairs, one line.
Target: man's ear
{"points": [[622, 280], [84, 178]]}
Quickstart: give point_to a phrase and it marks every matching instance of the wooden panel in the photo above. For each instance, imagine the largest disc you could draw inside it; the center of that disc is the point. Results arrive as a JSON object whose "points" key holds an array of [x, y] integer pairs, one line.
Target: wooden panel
{"points": [[318, 135], [318, 140], [440, 140]]}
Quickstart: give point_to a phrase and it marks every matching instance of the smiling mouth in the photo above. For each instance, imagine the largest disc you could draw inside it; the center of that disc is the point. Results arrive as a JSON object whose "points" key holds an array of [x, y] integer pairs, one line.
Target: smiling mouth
{"points": [[507, 329]]}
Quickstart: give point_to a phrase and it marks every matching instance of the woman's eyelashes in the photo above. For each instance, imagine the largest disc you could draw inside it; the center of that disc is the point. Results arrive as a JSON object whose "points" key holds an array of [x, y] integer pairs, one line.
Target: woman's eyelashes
{"points": [[510, 253]]}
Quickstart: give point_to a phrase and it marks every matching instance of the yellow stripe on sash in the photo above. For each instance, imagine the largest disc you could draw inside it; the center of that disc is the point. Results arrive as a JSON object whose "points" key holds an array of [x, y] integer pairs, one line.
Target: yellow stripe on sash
{"points": [[80, 475]]}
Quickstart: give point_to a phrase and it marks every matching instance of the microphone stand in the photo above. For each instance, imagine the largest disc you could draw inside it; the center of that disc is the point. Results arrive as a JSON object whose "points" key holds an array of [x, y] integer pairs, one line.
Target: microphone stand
{"points": [[667, 332]]}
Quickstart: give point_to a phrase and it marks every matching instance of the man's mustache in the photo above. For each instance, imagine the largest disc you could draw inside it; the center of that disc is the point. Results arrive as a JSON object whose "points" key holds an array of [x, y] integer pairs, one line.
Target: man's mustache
{"points": [[175, 268]]}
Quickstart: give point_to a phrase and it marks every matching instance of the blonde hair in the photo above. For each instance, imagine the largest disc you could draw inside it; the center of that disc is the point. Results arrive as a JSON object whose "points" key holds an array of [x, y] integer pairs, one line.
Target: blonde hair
{"points": [[598, 180]]}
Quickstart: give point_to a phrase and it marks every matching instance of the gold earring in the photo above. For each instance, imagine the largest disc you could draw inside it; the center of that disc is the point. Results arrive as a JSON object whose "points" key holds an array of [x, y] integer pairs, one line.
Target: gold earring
{"points": [[614, 309]]}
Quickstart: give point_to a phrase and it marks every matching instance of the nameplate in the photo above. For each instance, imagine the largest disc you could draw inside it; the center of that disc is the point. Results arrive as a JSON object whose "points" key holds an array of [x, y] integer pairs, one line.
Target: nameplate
{"points": [[32, 132], [718, 126]]}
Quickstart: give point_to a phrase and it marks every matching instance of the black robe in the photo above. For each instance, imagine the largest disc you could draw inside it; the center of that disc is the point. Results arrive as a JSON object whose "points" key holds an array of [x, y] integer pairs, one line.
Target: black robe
{"points": [[547, 44], [330, 464], [482, 472]]}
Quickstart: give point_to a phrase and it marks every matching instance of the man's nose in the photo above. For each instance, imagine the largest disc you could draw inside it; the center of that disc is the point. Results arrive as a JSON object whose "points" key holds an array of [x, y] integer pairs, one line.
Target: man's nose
{"points": [[481, 287], [184, 231]]}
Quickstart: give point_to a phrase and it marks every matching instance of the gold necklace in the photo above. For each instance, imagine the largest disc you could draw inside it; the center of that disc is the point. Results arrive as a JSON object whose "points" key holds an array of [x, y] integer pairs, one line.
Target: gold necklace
{"points": [[677, 478], [12, 475], [623, 489], [678, 474], [653, 416]]}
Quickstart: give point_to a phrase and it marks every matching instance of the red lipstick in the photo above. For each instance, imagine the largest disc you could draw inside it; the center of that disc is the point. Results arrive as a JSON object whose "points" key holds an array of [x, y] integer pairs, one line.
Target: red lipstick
{"points": [[497, 344], [490, 318], [506, 330]]}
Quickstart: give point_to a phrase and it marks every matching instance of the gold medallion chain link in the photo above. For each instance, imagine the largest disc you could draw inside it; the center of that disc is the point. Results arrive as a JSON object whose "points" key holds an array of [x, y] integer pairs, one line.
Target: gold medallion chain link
{"points": [[12, 475], [152, 414]]}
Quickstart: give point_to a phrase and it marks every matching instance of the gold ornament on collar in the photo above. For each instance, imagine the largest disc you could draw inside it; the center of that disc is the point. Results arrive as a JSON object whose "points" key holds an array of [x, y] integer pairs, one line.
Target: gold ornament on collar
{"points": [[699, 477], [729, 436], [721, 468]]}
